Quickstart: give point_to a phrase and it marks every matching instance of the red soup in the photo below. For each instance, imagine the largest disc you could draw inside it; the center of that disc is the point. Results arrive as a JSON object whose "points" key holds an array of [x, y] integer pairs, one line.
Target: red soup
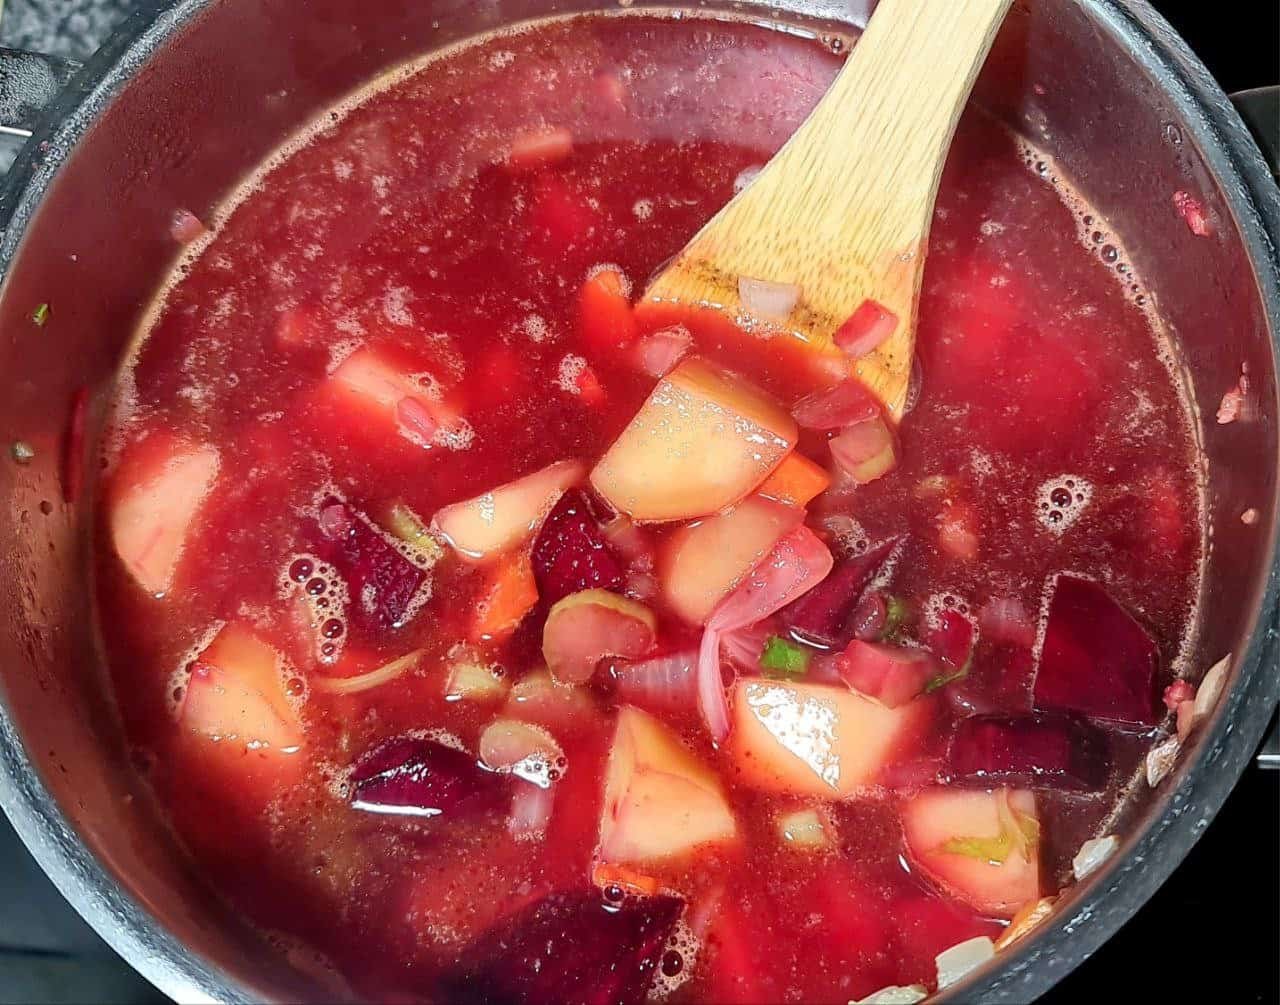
{"points": [[485, 638]]}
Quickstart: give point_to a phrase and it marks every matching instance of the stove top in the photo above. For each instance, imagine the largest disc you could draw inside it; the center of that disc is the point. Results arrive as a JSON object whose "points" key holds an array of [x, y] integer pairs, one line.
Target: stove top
{"points": [[1209, 934]]}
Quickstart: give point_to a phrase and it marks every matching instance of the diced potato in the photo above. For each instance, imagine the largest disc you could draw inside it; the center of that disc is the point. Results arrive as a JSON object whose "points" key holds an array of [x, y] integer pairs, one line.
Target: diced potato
{"points": [[153, 499], [660, 802], [701, 563], [702, 441], [816, 740], [983, 847], [506, 517], [236, 696]]}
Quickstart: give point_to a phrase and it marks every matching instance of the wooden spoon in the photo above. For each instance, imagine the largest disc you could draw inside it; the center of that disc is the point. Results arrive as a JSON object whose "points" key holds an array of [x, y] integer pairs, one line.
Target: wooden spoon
{"points": [[841, 214]]}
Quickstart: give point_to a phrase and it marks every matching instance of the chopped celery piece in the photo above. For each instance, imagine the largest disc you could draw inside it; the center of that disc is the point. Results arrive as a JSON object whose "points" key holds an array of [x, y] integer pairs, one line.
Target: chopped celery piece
{"points": [[784, 657]]}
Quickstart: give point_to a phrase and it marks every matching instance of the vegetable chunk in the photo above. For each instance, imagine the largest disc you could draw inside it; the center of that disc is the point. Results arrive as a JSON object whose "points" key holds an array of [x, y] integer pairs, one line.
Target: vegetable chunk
{"points": [[153, 500], [702, 441], [660, 802], [813, 740]]}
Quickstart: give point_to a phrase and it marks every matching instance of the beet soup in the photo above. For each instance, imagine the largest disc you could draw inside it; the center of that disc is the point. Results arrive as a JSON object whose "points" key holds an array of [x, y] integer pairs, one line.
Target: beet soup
{"points": [[486, 637]]}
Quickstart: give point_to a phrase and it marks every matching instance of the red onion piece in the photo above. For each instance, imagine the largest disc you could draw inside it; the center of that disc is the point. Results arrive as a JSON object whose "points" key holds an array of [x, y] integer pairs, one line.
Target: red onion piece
{"points": [[797, 563], [866, 330], [660, 684], [835, 407]]}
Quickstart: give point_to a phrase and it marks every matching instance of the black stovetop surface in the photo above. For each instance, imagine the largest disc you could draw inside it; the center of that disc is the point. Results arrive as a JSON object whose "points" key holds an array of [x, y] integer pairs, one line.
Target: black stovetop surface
{"points": [[1211, 933]]}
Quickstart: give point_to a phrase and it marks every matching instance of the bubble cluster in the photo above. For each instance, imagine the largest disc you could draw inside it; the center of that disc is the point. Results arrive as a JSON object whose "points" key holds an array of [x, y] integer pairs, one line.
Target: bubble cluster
{"points": [[1060, 501], [325, 597], [571, 368], [678, 961], [535, 328], [643, 209], [848, 537]]}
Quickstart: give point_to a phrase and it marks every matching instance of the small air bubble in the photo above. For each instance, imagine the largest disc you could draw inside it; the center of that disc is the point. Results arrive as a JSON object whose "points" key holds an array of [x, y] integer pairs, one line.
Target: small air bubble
{"points": [[300, 570], [1109, 253], [672, 963], [327, 650], [317, 587], [331, 629]]}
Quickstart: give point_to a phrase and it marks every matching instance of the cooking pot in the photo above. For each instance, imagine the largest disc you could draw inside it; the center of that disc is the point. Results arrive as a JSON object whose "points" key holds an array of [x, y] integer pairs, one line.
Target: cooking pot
{"points": [[186, 98]]}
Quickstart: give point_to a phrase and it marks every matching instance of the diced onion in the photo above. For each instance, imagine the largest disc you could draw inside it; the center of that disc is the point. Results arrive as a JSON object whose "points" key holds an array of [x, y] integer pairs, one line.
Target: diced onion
{"points": [[1092, 854], [365, 681], [803, 829], [530, 811], [659, 353], [954, 963], [527, 751], [896, 994], [661, 683], [767, 299], [1027, 918], [1210, 688], [1160, 760], [473, 681]]}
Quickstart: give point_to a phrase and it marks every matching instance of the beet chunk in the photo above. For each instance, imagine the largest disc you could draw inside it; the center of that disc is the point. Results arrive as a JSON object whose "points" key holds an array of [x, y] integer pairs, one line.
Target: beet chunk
{"points": [[826, 614], [1029, 751], [1096, 659], [382, 582], [571, 553], [416, 776], [568, 949]]}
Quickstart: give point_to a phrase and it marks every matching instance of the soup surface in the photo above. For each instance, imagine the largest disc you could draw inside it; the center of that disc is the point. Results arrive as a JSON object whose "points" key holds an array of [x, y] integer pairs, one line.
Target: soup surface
{"points": [[487, 638]]}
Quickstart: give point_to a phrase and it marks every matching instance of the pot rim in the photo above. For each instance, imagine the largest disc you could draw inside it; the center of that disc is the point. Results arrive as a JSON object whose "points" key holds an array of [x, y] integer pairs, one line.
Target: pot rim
{"points": [[1110, 897]]}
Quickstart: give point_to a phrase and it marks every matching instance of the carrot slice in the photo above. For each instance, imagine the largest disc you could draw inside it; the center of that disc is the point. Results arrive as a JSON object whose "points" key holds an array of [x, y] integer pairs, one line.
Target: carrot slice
{"points": [[509, 594], [605, 875], [795, 481], [607, 321]]}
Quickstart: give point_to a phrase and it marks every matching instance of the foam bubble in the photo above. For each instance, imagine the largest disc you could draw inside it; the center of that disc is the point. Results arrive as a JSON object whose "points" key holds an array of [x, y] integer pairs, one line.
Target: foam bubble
{"points": [[678, 962], [1060, 501], [535, 328], [395, 306], [571, 368], [643, 209]]}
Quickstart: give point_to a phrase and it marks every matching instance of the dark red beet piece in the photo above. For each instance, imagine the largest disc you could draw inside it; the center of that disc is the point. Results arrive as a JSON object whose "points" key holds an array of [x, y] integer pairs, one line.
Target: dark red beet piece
{"points": [[1096, 659], [416, 776], [571, 552], [382, 582], [826, 614], [569, 948], [1042, 751]]}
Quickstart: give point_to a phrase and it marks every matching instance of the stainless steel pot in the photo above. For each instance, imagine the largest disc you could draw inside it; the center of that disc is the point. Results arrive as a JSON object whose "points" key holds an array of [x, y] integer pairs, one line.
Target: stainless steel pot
{"points": [[184, 99]]}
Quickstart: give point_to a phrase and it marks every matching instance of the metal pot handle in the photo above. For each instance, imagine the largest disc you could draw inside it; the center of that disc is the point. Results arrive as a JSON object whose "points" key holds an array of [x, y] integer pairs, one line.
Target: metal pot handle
{"points": [[1260, 109], [28, 82]]}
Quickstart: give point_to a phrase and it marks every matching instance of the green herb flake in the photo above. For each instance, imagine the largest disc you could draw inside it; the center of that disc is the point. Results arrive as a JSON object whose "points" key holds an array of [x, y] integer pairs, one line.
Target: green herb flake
{"points": [[897, 611], [40, 315], [783, 657], [943, 679]]}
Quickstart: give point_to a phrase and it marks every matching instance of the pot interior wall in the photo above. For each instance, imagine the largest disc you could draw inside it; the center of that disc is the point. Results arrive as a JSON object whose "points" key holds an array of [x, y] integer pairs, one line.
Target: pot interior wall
{"points": [[236, 78]]}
